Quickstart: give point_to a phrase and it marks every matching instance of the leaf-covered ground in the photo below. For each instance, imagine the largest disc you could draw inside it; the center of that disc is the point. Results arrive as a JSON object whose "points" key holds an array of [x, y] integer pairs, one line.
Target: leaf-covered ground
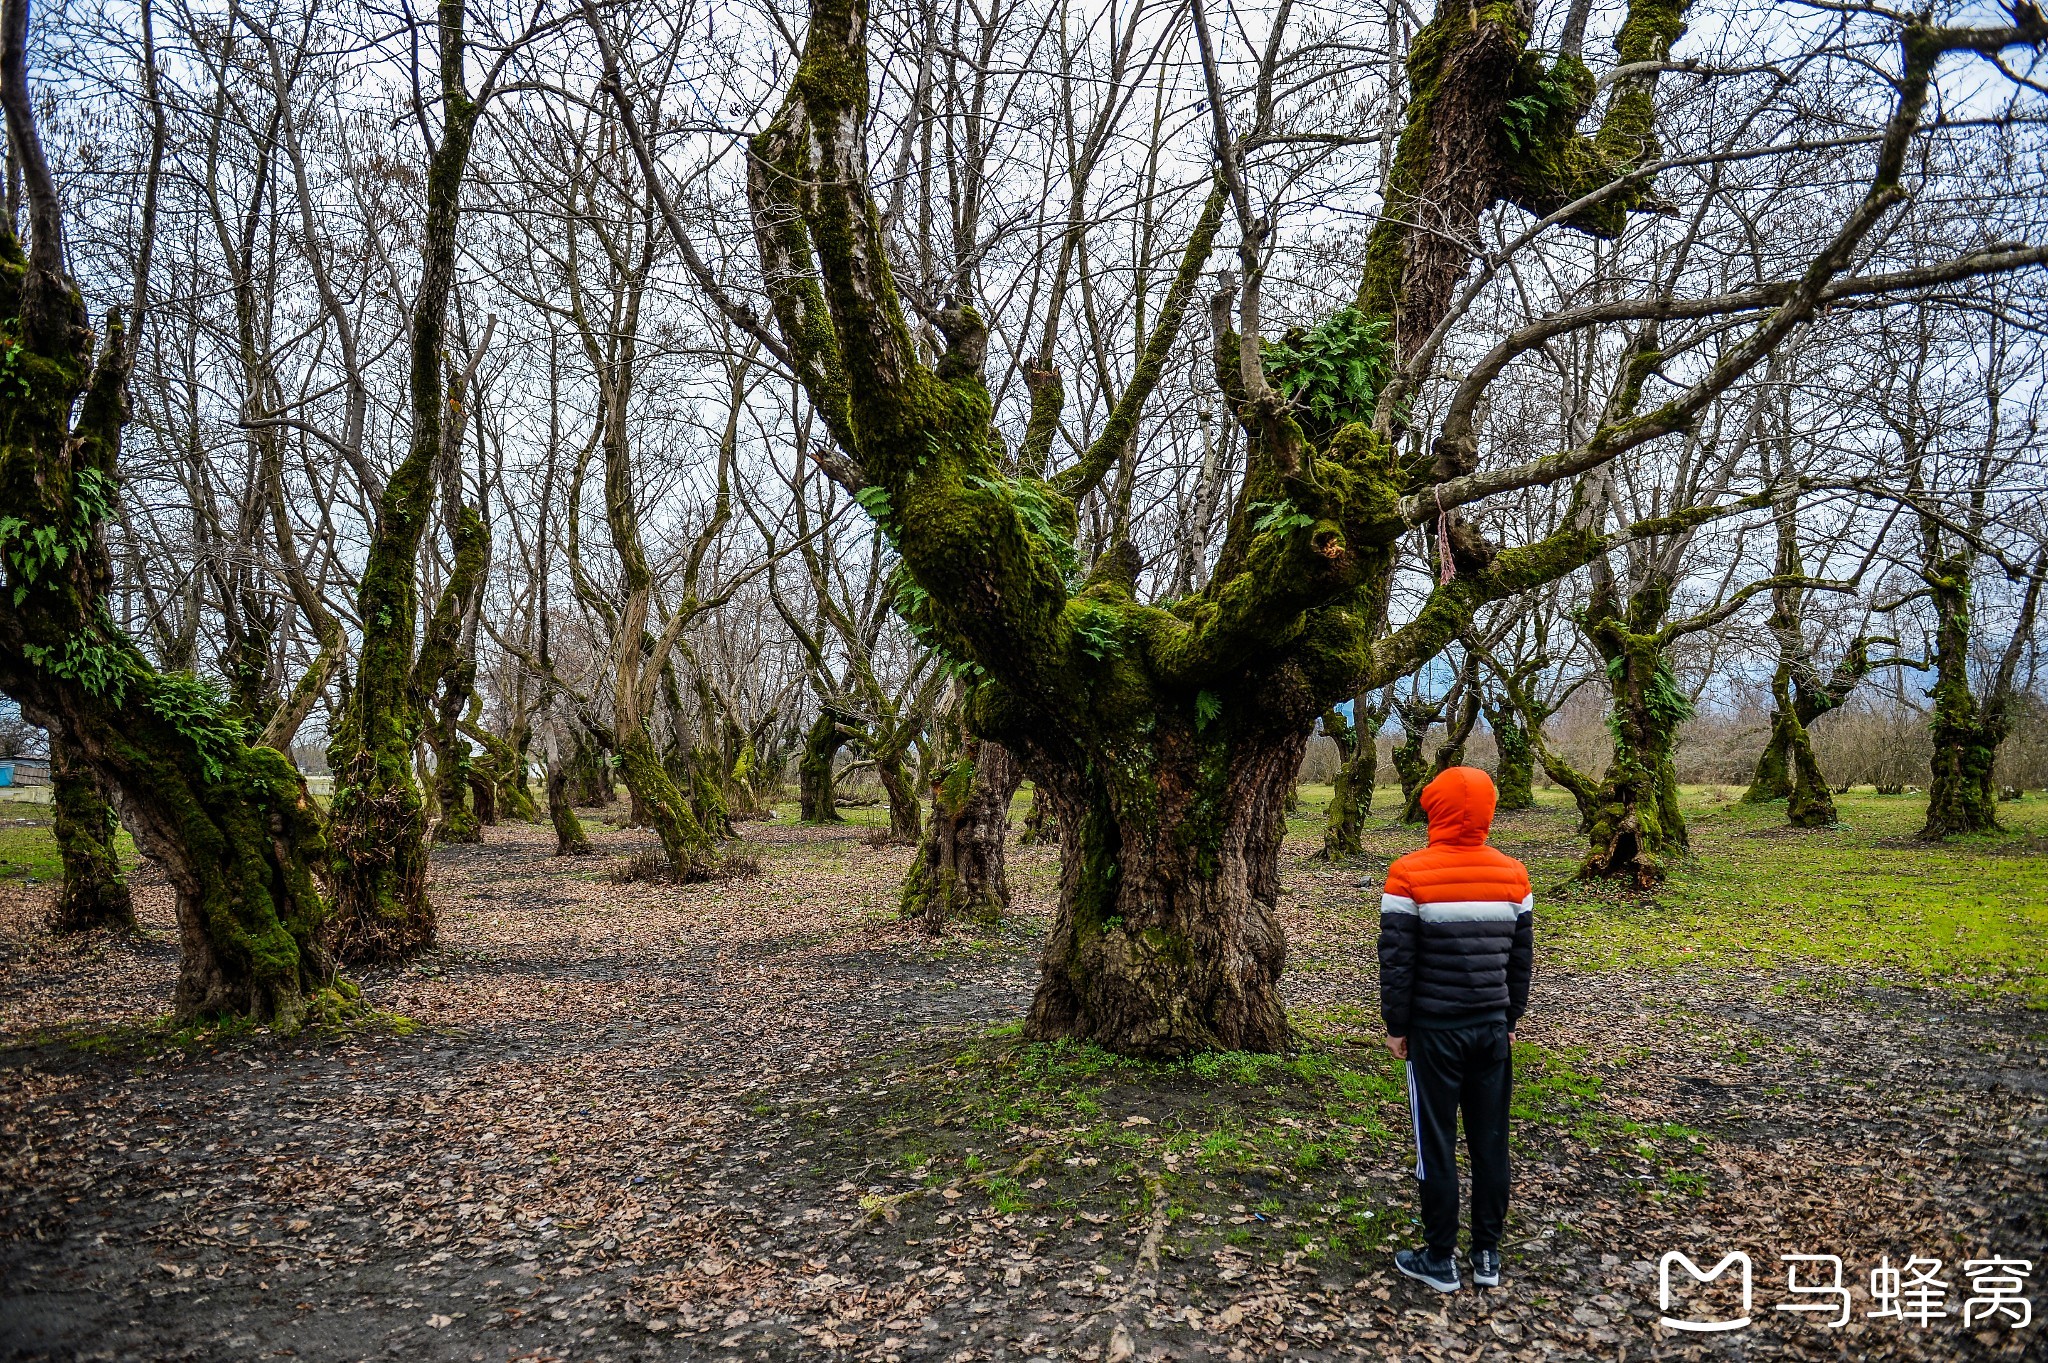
{"points": [[762, 1119]]}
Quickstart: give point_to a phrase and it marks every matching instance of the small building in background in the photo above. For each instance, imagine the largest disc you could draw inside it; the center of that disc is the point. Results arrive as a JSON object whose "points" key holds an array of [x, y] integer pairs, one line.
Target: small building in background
{"points": [[23, 771]]}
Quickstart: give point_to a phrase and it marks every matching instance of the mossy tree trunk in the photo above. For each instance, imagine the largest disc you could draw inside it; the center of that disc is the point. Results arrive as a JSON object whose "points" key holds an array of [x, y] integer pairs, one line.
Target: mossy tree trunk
{"points": [[1967, 729], [1358, 763], [1637, 826], [815, 769], [236, 833], [1514, 774], [1411, 760], [483, 796], [1168, 735], [1167, 940], [959, 874], [94, 893], [1787, 768], [1041, 821], [906, 821], [570, 839], [592, 783], [444, 681], [377, 820]]}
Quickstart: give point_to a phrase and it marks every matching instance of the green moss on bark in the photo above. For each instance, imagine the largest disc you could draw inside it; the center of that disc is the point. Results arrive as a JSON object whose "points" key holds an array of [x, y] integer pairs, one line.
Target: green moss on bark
{"points": [[377, 818], [94, 893]]}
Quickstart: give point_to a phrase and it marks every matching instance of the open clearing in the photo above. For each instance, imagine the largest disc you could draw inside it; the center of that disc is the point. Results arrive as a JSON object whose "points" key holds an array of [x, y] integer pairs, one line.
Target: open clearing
{"points": [[764, 1119]]}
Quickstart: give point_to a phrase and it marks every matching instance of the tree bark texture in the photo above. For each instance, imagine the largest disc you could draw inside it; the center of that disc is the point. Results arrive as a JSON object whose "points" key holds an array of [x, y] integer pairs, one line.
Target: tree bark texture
{"points": [[1514, 774], [377, 819], [959, 874], [232, 824], [815, 776], [94, 894], [570, 840]]}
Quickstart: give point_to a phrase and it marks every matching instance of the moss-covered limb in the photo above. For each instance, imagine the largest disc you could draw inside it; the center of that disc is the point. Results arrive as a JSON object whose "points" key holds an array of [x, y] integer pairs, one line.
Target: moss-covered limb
{"points": [[1048, 397], [1121, 427], [570, 839], [1326, 541], [1487, 120], [504, 764], [1447, 165], [94, 893], [1555, 165], [377, 819]]}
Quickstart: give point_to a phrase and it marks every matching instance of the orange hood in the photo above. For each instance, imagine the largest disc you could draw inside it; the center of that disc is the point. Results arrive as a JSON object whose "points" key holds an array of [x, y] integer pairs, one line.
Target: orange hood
{"points": [[1460, 805]]}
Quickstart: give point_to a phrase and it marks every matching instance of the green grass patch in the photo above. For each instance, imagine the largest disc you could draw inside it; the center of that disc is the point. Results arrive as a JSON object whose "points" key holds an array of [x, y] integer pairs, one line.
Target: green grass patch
{"points": [[1273, 1154], [1969, 915], [28, 845]]}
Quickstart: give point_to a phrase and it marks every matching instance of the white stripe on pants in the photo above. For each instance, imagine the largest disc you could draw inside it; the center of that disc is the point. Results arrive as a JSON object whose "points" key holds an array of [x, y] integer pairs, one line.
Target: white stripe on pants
{"points": [[1415, 1119]]}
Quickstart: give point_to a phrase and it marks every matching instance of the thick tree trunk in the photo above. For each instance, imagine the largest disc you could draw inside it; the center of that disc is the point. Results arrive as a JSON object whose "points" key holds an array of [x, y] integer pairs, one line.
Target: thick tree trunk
{"points": [[1810, 803], [233, 826], [94, 893], [570, 840], [483, 796], [906, 822], [959, 875], [1960, 796], [668, 811], [1041, 821], [1166, 942], [1515, 767], [814, 772], [1636, 825]]}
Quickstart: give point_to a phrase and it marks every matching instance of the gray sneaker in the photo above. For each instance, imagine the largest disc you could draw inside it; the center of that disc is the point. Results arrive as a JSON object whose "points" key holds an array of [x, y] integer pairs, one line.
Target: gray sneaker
{"points": [[1486, 1267], [1439, 1271]]}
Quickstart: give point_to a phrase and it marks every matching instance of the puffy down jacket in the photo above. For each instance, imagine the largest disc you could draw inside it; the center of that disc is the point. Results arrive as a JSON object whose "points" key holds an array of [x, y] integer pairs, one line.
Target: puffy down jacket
{"points": [[1455, 939]]}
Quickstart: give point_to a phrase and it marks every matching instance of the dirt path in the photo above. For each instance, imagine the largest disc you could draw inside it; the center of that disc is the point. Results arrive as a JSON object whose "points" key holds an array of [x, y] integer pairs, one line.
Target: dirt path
{"points": [[762, 1120]]}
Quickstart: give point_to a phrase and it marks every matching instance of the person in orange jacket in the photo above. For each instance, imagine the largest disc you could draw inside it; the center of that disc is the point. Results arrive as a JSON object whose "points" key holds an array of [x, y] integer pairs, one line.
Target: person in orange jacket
{"points": [[1456, 951]]}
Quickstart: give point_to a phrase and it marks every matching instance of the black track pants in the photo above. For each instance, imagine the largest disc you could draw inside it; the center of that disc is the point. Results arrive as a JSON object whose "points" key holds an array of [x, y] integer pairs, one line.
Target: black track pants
{"points": [[1461, 1068]]}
